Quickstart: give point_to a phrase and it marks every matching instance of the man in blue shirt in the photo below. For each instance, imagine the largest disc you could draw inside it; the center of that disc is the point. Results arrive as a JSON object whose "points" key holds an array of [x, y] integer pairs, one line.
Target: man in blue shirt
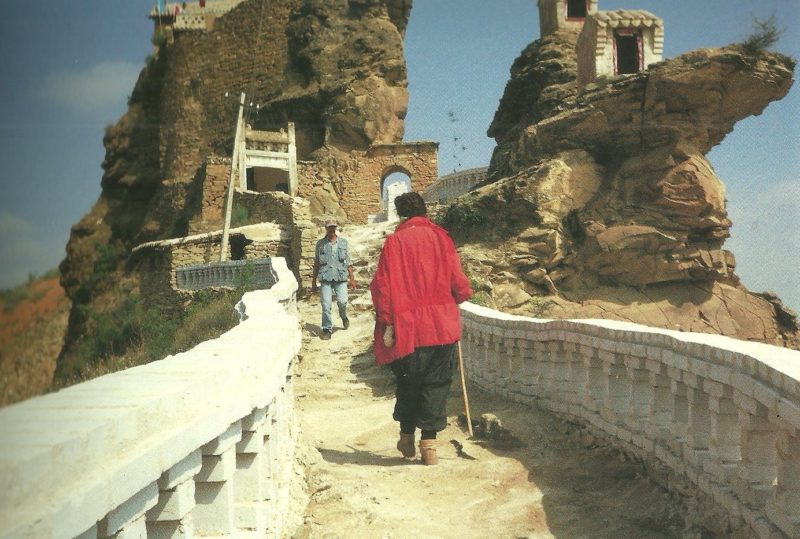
{"points": [[332, 266]]}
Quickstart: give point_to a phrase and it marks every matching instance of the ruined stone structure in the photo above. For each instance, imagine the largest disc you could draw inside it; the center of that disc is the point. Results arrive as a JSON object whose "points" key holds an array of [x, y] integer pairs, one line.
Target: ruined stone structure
{"points": [[195, 16], [618, 42], [357, 178]]}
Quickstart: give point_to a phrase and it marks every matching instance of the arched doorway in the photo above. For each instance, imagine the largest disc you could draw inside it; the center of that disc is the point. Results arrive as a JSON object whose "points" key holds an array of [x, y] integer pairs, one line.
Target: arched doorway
{"points": [[393, 184]]}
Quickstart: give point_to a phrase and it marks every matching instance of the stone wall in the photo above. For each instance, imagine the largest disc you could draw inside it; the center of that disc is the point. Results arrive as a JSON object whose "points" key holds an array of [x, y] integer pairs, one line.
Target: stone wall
{"points": [[197, 444], [203, 73], [721, 414], [553, 16], [357, 177], [215, 180]]}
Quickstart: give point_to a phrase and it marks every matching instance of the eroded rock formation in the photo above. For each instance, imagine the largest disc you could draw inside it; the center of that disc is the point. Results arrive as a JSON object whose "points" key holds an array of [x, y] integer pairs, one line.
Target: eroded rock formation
{"points": [[603, 203], [333, 67]]}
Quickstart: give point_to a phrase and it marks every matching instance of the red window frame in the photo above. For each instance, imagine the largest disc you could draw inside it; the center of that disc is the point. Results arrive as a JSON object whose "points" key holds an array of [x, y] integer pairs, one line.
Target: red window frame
{"points": [[639, 46]]}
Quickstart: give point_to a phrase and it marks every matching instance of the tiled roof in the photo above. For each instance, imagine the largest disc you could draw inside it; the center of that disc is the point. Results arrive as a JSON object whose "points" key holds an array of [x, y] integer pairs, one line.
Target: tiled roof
{"points": [[627, 18]]}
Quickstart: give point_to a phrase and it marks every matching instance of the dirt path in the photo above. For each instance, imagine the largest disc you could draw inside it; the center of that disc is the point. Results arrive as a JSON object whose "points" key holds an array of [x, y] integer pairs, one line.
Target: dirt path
{"points": [[549, 480]]}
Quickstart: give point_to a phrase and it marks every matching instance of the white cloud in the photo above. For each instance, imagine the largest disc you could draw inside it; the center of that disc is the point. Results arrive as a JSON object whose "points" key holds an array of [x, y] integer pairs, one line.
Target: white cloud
{"points": [[98, 90], [25, 249], [766, 239]]}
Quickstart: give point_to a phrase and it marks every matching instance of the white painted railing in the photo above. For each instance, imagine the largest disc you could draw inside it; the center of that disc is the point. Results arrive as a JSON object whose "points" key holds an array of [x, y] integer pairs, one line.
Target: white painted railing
{"points": [[723, 413], [199, 443]]}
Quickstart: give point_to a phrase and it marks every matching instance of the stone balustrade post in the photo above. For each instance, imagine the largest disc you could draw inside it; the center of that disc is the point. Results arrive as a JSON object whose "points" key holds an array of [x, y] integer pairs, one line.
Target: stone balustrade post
{"points": [[128, 520], [545, 365], [516, 381], [594, 394], [503, 364], [679, 423], [657, 424], [757, 470], [577, 377], [528, 357], [615, 399], [640, 394], [725, 433], [250, 492], [489, 360], [698, 429], [172, 515], [783, 509], [214, 512]]}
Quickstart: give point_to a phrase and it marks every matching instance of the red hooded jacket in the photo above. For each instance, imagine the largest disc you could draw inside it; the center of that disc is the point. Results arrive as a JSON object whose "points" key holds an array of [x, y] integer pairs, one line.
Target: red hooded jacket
{"points": [[416, 288]]}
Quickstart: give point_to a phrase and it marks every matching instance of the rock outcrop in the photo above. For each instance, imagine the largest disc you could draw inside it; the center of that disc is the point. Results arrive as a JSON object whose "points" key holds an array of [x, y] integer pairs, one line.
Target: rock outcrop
{"points": [[602, 203], [333, 67]]}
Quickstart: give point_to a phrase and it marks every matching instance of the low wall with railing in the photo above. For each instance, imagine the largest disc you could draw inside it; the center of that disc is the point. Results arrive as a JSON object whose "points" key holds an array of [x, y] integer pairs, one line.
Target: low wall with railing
{"points": [[199, 443], [232, 273], [721, 413], [454, 185]]}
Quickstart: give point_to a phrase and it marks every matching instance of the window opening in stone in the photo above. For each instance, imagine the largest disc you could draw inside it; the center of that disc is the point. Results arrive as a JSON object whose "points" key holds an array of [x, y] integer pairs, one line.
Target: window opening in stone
{"points": [[627, 57], [239, 243], [576, 9], [264, 179]]}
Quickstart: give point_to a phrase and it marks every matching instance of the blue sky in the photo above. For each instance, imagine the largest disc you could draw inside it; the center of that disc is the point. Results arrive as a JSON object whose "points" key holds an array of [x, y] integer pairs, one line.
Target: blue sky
{"points": [[68, 68]]}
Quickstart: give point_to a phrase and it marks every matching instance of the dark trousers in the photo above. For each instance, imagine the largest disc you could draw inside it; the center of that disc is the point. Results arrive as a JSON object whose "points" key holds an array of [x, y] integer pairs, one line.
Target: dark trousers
{"points": [[423, 383]]}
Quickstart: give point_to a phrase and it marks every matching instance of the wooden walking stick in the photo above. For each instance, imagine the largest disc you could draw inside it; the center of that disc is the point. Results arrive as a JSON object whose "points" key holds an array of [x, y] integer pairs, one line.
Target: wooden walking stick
{"points": [[464, 389]]}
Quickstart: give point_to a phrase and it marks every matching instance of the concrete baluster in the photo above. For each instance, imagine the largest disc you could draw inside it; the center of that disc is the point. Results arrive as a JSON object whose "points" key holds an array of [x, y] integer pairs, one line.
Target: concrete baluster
{"points": [[268, 452], [615, 400], [249, 482], [172, 515], [679, 424], [503, 363], [757, 471], [594, 394], [784, 508], [577, 377], [527, 354], [697, 433], [639, 395], [515, 374], [545, 367], [128, 520], [489, 360], [214, 512], [725, 440], [657, 424]]}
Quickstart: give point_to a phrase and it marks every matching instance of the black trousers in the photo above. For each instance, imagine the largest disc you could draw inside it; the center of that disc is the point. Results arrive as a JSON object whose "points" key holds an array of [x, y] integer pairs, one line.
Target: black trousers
{"points": [[423, 384]]}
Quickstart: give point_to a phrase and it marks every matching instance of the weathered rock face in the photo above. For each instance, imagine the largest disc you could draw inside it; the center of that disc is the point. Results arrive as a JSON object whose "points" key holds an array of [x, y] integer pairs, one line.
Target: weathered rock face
{"points": [[334, 67], [603, 199]]}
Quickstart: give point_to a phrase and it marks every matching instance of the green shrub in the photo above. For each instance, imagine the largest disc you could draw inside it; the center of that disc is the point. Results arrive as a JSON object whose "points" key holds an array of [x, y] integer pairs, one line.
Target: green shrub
{"points": [[207, 318], [239, 216], [765, 35]]}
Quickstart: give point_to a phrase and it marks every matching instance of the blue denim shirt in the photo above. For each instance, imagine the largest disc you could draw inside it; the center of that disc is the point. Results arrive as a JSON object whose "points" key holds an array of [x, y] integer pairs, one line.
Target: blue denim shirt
{"points": [[333, 259]]}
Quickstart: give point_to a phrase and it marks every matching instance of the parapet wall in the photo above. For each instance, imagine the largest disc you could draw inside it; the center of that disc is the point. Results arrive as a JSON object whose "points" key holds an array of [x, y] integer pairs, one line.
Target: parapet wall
{"points": [[723, 414], [199, 443], [454, 185]]}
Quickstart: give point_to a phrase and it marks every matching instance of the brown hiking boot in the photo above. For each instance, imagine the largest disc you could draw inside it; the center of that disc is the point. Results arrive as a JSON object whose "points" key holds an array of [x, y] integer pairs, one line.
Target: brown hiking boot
{"points": [[406, 445], [427, 451]]}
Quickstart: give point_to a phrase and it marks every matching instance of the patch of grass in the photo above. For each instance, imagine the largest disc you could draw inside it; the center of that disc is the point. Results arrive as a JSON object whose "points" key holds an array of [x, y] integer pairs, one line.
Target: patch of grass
{"points": [[11, 297], [239, 216]]}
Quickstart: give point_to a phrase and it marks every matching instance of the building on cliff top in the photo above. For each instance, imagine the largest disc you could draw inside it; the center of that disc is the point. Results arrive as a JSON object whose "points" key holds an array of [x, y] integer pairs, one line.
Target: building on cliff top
{"points": [[618, 42], [192, 15]]}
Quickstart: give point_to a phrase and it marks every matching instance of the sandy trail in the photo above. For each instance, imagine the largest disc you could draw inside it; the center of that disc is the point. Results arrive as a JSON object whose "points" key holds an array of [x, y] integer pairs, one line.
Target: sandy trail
{"points": [[550, 479]]}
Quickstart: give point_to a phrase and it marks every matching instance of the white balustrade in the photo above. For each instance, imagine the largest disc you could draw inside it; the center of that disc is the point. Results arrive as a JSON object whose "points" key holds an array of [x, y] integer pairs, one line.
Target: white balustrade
{"points": [[722, 413], [197, 444]]}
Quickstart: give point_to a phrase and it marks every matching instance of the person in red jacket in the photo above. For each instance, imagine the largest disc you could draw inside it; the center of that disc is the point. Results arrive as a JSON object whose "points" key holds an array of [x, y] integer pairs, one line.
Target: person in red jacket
{"points": [[415, 292]]}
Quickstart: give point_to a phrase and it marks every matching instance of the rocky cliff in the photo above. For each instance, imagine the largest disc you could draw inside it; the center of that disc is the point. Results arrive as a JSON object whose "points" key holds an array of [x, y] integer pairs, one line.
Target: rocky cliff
{"points": [[334, 67], [602, 203]]}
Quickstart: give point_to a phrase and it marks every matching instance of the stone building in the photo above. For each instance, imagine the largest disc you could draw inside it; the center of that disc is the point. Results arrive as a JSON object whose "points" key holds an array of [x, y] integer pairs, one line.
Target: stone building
{"points": [[618, 42], [556, 15]]}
